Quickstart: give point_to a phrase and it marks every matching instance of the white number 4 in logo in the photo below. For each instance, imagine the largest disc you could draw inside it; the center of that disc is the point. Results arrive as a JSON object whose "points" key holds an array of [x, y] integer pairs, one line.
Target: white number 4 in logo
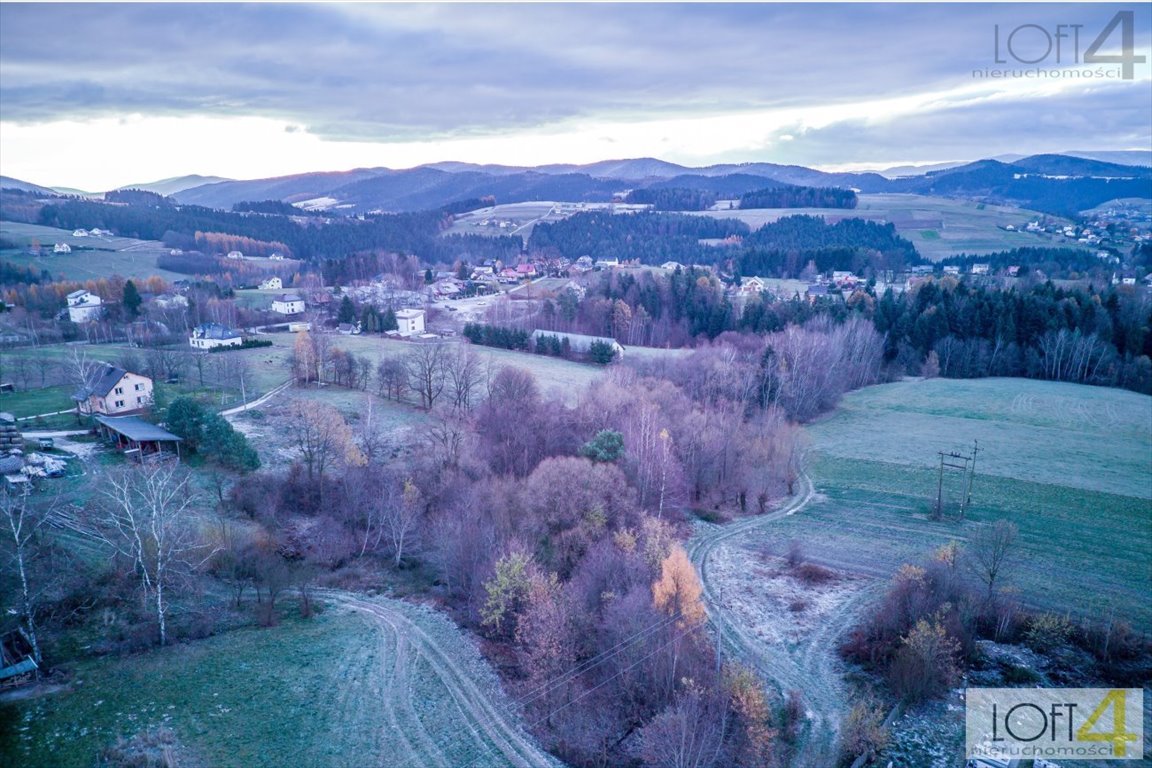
{"points": [[1127, 56]]}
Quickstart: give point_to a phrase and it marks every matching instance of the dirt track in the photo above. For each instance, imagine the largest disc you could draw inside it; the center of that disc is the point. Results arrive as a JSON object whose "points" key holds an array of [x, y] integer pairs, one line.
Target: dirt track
{"points": [[811, 666], [486, 731]]}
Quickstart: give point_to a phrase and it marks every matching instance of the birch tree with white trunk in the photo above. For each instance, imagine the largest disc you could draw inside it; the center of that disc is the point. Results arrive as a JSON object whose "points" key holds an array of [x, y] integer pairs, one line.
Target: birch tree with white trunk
{"points": [[145, 518]]}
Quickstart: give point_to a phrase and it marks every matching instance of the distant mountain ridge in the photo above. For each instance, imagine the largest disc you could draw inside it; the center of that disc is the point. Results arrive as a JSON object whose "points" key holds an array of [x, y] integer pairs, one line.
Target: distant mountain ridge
{"points": [[169, 187], [436, 184], [1056, 183], [7, 182]]}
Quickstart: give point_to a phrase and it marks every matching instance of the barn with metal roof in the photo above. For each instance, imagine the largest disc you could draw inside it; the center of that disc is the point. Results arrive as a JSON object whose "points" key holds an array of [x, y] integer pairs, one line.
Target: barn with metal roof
{"points": [[132, 433]]}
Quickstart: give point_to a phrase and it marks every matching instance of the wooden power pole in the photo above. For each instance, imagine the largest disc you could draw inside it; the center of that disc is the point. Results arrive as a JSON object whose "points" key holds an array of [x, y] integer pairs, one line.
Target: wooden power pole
{"points": [[971, 478], [940, 481]]}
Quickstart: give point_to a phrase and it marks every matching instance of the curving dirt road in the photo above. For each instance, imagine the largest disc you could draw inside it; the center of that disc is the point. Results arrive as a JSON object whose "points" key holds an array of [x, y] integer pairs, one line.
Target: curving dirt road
{"points": [[483, 729], [810, 667]]}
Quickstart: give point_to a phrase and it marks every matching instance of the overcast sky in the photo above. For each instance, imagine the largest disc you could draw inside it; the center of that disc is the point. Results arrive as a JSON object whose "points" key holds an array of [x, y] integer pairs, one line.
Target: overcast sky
{"points": [[95, 96]]}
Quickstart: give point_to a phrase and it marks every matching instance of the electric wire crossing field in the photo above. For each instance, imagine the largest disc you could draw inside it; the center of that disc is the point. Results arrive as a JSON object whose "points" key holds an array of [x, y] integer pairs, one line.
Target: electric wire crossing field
{"points": [[1079, 723]]}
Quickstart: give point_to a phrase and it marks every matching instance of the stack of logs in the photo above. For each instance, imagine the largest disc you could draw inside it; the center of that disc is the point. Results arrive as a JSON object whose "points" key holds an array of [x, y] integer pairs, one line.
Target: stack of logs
{"points": [[10, 438]]}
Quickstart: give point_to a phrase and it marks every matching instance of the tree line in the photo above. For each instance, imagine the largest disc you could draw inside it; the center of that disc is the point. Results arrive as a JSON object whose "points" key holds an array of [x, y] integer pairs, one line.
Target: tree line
{"points": [[785, 247], [1046, 332], [672, 198], [788, 196], [1055, 263], [651, 238], [177, 225], [958, 327]]}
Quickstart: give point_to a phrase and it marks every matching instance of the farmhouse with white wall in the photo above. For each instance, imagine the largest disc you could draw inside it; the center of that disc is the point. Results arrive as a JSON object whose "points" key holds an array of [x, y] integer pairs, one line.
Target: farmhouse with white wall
{"points": [[410, 322], [288, 304], [212, 335], [113, 392], [84, 307]]}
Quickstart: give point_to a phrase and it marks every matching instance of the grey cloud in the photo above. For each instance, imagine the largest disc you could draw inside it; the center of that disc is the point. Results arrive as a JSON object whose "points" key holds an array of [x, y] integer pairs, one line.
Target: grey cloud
{"points": [[1107, 118], [396, 72]]}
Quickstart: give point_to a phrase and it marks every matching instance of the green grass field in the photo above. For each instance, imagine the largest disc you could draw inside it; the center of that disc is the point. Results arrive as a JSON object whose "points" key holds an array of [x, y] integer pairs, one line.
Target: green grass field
{"points": [[1069, 464], [340, 690], [270, 365], [33, 402], [939, 227], [256, 298], [246, 698], [102, 257]]}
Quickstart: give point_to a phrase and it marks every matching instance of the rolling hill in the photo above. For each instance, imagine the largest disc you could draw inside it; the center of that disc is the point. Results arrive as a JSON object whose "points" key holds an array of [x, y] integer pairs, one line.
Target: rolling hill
{"points": [[7, 182], [1057, 184], [176, 184]]}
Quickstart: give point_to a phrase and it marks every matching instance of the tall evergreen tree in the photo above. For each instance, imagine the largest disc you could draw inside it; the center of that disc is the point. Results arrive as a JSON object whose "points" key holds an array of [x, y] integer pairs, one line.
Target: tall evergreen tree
{"points": [[132, 300]]}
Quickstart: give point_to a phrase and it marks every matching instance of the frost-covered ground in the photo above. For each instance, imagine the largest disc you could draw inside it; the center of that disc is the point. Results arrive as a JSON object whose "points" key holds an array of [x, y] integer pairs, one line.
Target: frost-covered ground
{"points": [[929, 736], [368, 682], [763, 595]]}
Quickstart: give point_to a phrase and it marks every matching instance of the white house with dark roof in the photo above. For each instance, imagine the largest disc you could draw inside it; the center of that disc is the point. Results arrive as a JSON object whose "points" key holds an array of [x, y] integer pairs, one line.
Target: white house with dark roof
{"points": [[114, 391], [288, 304], [272, 284], [212, 335], [84, 307]]}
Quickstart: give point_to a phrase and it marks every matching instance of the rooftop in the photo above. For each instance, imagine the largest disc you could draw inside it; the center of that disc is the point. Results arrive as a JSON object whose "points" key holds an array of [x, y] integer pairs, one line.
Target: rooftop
{"points": [[108, 377], [214, 331], [136, 429]]}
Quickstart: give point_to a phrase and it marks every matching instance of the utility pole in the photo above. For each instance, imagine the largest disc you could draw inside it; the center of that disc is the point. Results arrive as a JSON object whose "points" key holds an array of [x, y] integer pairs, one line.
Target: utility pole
{"points": [[940, 481], [940, 488], [971, 478]]}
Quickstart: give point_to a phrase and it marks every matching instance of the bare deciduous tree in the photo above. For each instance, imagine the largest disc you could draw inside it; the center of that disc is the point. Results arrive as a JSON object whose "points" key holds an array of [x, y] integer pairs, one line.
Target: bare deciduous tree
{"points": [[401, 520], [144, 517], [369, 436], [447, 435], [989, 549], [21, 520], [322, 437], [164, 363], [83, 371], [426, 366], [392, 378], [689, 734], [464, 373]]}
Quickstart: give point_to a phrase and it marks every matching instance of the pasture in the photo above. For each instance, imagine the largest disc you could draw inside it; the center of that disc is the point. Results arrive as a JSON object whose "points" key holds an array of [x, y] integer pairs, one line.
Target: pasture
{"points": [[33, 402], [271, 365], [316, 693], [520, 218], [939, 227], [91, 257], [1069, 464]]}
